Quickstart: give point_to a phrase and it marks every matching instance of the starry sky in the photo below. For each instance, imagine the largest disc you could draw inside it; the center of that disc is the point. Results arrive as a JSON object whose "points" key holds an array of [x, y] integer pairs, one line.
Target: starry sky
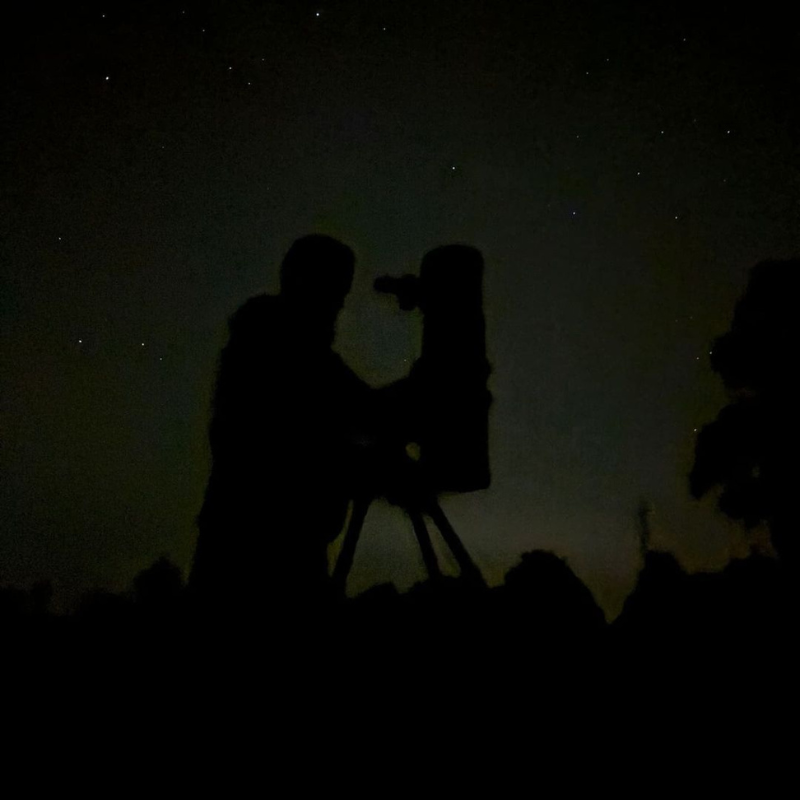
{"points": [[621, 165]]}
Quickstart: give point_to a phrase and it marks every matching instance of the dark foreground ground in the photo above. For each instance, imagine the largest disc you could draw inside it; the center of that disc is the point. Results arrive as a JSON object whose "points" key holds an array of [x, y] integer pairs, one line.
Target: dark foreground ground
{"points": [[539, 645]]}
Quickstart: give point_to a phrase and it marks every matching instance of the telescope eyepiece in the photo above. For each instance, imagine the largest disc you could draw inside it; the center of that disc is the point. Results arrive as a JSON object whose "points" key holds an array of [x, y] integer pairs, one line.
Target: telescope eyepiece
{"points": [[405, 289]]}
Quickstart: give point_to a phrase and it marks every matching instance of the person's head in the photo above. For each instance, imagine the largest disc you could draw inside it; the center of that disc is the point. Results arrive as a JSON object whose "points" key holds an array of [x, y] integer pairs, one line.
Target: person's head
{"points": [[317, 273]]}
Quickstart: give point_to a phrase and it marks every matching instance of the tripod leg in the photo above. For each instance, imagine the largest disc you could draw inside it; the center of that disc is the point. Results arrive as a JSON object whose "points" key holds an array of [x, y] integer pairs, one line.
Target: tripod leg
{"points": [[469, 570], [424, 539], [348, 551]]}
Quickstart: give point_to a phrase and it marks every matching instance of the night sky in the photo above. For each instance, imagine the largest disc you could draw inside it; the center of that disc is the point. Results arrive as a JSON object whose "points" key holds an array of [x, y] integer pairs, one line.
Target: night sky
{"points": [[620, 165]]}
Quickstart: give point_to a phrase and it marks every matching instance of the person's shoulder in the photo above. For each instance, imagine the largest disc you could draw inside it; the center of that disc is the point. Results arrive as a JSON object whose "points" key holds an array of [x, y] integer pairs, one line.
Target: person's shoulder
{"points": [[257, 305], [254, 313]]}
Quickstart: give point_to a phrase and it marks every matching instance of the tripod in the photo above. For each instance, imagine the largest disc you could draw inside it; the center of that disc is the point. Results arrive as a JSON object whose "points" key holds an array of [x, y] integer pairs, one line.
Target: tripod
{"points": [[426, 504]]}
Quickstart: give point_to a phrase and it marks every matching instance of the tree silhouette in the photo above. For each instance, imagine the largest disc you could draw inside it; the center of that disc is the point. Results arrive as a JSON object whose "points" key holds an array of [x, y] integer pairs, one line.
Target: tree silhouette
{"points": [[750, 449]]}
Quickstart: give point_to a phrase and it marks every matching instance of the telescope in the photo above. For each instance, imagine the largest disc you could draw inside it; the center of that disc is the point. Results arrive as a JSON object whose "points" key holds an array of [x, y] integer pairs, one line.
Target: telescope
{"points": [[436, 433], [448, 389]]}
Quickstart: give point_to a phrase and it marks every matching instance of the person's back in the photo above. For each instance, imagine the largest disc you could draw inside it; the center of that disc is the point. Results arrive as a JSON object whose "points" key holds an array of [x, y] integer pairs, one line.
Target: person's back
{"points": [[285, 409]]}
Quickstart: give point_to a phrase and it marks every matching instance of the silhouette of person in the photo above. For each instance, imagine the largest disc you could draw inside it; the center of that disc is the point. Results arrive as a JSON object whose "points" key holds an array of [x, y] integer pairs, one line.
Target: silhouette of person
{"points": [[285, 421]]}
